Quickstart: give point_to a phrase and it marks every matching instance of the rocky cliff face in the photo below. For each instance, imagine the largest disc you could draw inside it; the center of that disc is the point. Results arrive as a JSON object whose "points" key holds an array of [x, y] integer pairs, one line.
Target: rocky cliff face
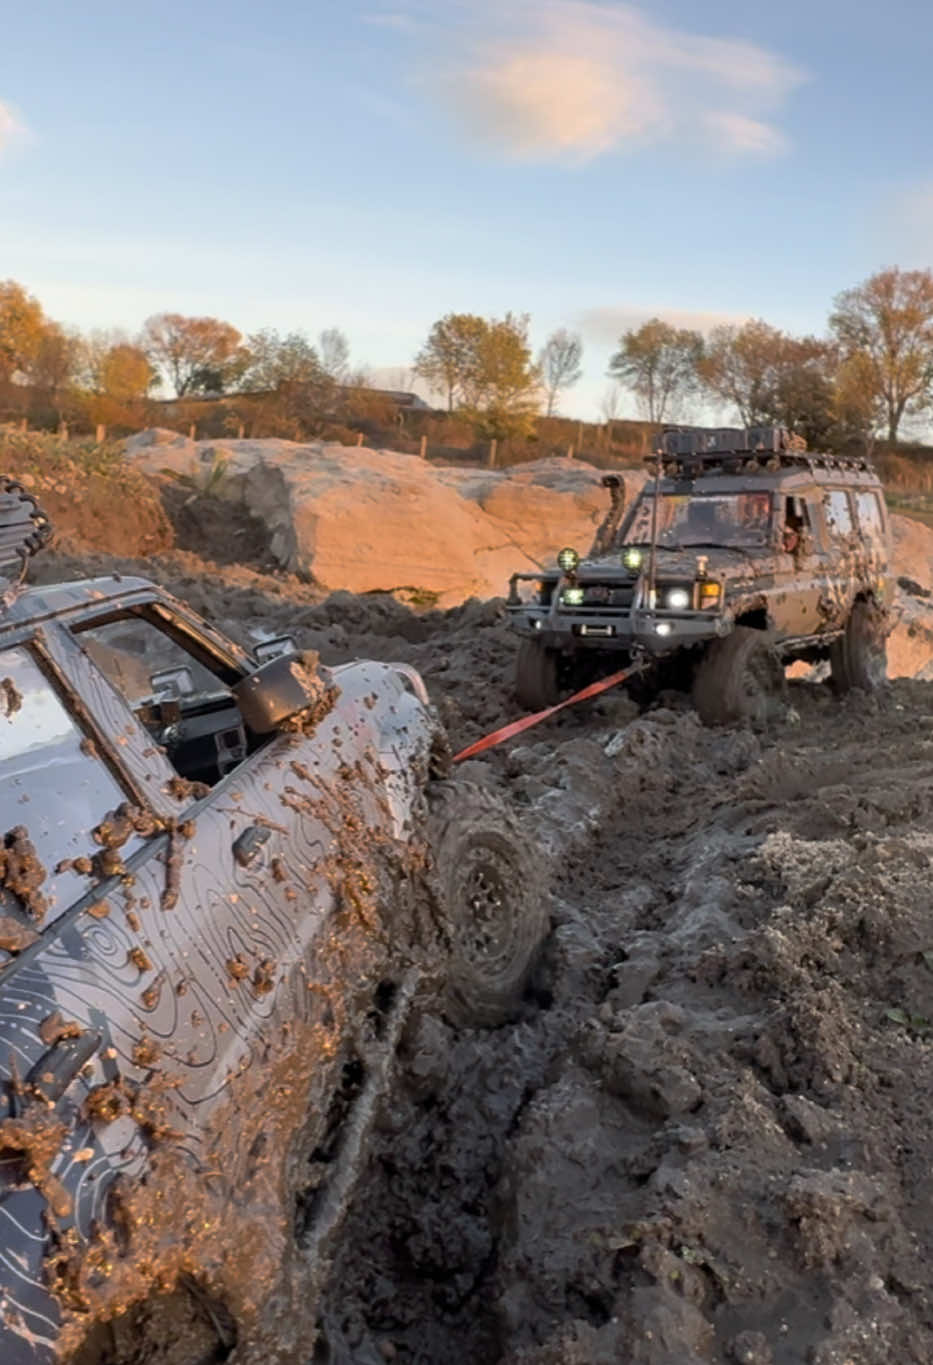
{"points": [[368, 520]]}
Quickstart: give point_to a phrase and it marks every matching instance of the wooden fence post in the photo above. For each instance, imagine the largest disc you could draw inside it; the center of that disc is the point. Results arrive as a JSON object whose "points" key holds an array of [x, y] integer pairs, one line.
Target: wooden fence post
{"points": [[240, 432], [492, 453], [423, 452], [570, 452], [101, 434], [579, 436], [63, 430], [192, 431], [359, 438]]}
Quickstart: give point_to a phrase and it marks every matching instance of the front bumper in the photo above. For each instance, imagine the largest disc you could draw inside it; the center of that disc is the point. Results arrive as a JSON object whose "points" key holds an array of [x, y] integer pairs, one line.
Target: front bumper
{"points": [[627, 631]]}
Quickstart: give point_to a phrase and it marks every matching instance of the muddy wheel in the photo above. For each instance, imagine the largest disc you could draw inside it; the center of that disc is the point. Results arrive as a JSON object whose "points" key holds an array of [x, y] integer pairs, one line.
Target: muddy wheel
{"points": [[184, 1327], [537, 682], [490, 895], [740, 680], [859, 658]]}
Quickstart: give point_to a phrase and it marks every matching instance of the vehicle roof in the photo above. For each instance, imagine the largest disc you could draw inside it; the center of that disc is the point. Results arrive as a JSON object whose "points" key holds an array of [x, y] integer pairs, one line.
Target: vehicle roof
{"points": [[57, 599], [766, 480]]}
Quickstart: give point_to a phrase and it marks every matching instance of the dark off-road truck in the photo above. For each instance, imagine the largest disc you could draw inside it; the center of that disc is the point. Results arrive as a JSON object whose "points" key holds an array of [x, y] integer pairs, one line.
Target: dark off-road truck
{"points": [[226, 880], [743, 553]]}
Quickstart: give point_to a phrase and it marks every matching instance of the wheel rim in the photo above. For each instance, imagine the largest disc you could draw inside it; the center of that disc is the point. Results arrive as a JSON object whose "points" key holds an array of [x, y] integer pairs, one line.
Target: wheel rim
{"points": [[484, 919]]}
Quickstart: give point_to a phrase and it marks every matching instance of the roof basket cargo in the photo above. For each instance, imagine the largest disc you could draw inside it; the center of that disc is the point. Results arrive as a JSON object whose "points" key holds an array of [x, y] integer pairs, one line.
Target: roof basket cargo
{"points": [[726, 440], [689, 452], [24, 529]]}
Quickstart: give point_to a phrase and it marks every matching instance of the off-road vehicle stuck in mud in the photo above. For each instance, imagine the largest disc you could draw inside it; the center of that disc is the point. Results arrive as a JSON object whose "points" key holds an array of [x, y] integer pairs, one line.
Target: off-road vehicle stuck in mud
{"points": [[224, 882], [742, 554]]}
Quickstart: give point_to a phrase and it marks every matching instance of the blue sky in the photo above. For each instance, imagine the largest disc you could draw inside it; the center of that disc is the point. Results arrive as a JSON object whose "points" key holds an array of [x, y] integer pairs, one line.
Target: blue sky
{"points": [[372, 166]]}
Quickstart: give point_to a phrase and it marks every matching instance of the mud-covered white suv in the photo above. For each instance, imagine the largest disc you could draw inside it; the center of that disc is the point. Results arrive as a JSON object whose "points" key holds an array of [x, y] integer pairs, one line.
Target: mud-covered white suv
{"points": [[224, 883]]}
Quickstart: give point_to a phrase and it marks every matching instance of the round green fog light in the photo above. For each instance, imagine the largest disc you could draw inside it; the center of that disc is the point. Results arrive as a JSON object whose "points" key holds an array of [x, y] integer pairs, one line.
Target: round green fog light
{"points": [[632, 558], [572, 597], [568, 559]]}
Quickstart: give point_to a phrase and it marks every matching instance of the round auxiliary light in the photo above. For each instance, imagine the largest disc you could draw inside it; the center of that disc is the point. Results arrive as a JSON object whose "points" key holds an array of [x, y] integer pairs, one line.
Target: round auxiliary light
{"points": [[678, 599], [568, 559], [573, 597], [663, 628], [632, 557]]}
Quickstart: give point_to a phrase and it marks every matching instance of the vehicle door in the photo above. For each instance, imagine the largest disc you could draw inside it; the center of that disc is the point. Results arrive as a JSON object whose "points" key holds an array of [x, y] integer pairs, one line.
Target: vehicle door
{"points": [[801, 560], [247, 921], [843, 559], [873, 538]]}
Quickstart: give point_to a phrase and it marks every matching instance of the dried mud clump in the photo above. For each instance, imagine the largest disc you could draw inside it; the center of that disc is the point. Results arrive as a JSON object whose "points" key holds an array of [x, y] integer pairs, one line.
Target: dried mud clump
{"points": [[10, 698], [14, 935], [21, 873]]}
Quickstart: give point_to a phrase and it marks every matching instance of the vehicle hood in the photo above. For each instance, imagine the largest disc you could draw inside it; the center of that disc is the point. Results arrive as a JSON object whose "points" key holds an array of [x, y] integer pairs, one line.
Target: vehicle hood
{"points": [[721, 562]]}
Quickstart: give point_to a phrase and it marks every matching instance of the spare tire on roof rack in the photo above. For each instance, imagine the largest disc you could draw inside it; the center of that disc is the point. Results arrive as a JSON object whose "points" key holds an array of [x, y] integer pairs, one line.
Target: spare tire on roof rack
{"points": [[24, 529]]}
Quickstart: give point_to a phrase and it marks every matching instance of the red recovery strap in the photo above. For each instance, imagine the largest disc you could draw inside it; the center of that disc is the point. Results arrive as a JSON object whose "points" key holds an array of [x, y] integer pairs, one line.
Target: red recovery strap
{"points": [[526, 722]]}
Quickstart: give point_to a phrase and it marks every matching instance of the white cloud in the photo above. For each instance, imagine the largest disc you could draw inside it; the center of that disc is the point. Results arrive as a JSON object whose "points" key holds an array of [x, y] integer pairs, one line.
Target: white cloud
{"points": [[574, 79], [736, 133], [10, 126], [606, 325]]}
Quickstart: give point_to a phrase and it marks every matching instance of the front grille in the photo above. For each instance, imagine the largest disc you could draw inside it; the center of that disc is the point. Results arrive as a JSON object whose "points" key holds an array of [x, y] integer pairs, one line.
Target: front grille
{"points": [[604, 595]]}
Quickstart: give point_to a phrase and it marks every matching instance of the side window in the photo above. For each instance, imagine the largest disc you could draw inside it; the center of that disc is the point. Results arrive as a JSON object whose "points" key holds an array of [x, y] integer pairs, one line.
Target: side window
{"points": [[869, 514], [186, 708], [54, 791], [838, 512], [797, 528]]}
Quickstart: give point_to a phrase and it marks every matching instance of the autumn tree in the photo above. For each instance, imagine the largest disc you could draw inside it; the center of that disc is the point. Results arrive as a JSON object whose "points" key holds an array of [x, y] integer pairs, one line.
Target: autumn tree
{"points": [[501, 383], [559, 362], [276, 360], [124, 373], [195, 353], [859, 405], [55, 361], [445, 359], [22, 324], [770, 377], [888, 320], [335, 354], [658, 363]]}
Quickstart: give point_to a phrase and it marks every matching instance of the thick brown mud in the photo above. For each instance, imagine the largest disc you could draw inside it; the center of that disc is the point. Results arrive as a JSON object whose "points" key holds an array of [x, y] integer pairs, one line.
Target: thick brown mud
{"points": [[708, 1137], [709, 1140]]}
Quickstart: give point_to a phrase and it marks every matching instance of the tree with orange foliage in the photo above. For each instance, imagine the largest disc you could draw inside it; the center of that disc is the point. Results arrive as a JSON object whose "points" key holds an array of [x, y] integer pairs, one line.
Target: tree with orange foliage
{"points": [[22, 324], [195, 353]]}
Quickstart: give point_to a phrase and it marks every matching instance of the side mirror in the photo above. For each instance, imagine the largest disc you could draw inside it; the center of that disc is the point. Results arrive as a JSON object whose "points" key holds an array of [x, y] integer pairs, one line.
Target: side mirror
{"points": [[170, 683], [280, 690], [276, 648]]}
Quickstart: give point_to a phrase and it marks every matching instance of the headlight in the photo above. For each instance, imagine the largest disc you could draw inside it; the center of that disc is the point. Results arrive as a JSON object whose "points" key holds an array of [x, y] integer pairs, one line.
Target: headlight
{"points": [[632, 557], [710, 593], [678, 599], [568, 559], [572, 597]]}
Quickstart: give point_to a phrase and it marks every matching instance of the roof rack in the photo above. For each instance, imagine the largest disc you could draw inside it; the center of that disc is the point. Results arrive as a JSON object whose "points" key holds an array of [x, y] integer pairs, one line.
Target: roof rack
{"points": [[24, 529], [689, 452], [726, 440]]}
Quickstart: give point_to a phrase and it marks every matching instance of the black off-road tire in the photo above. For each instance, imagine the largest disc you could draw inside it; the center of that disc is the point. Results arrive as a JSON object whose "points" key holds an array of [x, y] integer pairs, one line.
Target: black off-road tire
{"points": [[859, 658], [537, 676], [491, 898], [740, 681]]}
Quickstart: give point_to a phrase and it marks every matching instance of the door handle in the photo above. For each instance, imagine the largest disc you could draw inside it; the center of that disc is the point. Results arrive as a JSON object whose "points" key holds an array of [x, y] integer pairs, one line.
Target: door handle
{"points": [[248, 846]]}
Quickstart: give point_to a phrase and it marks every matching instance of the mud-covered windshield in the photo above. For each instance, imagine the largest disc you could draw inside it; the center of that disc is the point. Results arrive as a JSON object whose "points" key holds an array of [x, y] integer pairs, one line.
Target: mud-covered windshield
{"points": [[740, 520]]}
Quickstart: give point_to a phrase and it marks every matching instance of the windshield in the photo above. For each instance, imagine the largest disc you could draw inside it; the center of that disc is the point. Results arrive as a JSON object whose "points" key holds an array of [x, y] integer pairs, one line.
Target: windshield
{"points": [[741, 520]]}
